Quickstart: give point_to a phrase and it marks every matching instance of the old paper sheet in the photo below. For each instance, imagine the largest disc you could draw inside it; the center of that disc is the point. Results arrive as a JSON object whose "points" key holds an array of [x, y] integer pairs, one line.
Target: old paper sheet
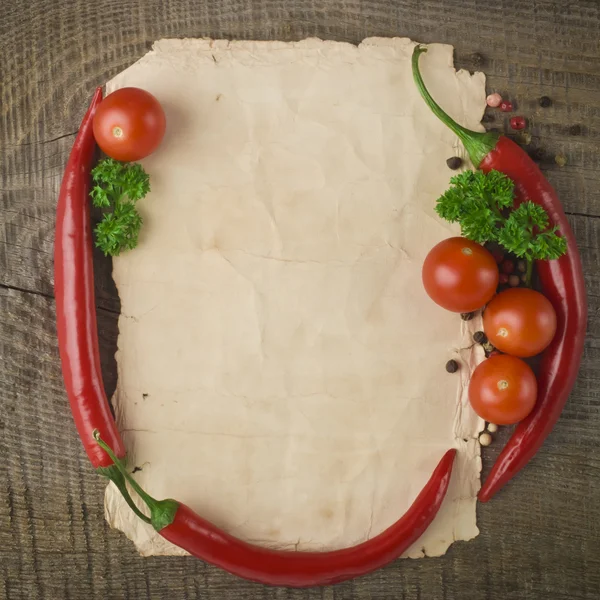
{"points": [[281, 369]]}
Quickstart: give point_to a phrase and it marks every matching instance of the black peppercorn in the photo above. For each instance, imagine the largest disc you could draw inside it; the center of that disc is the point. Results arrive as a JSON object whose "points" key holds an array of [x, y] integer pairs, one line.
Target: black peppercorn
{"points": [[451, 366], [545, 102], [487, 117], [454, 163], [479, 337], [537, 154], [477, 59], [575, 130], [521, 266], [467, 316]]}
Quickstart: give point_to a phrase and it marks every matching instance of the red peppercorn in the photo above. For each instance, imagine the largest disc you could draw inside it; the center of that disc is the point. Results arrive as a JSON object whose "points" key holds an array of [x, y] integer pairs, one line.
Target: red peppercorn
{"points": [[494, 100], [508, 266], [498, 255], [506, 106], [503, 279], [518, 123]]}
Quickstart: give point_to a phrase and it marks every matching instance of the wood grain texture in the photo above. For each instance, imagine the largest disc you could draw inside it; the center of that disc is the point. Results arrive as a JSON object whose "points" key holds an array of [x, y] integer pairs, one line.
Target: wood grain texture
{"points": [[540, 538]]}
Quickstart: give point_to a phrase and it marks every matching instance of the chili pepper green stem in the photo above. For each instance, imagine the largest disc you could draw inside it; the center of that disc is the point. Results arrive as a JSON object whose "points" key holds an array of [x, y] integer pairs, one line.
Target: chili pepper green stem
{"points": [[162, 512], [121, 467], [477, 144], [117, 478]]}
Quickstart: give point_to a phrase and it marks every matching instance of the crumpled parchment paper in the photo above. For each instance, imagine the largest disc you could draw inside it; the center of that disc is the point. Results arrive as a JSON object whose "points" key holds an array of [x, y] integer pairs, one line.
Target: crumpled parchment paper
{"points": [[281, 369]]}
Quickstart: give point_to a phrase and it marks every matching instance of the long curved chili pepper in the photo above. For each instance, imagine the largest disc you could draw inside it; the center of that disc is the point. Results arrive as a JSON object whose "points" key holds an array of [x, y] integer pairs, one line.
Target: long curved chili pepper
{"points": [[78, 344], [178, 524], [562, 281], [75, 303]]}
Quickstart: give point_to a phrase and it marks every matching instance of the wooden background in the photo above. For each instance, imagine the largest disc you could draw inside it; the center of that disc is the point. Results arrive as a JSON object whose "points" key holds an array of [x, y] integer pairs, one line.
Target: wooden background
{"points": [[540, 539]]}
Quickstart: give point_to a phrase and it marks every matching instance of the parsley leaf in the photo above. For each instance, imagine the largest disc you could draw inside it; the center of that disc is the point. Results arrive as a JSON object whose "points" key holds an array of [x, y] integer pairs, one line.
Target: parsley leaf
{"points": [[483, 205], [476, 200], [118, 186], [528, 235]]}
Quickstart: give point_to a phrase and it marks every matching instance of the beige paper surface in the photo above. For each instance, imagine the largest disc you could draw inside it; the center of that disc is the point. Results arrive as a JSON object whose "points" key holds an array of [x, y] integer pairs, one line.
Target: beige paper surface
{"points": [[281, 369]]}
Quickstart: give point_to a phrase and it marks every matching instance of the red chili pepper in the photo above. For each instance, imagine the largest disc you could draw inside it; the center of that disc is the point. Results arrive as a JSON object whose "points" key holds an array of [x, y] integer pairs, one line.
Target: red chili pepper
{"points": [[178, 524], [75, 303], [78, 344], [562, 282]]}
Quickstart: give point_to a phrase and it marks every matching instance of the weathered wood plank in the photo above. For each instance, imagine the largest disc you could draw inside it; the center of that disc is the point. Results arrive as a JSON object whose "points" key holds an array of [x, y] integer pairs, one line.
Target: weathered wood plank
{"points": [[541, 534], [38, 117], [540, 538]]}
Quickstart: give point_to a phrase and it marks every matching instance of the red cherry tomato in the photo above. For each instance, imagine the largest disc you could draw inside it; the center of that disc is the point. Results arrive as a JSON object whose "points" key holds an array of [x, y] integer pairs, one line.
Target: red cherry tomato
{"points": [[460, 275], [129, 124], [520, 321], [503, 389]]}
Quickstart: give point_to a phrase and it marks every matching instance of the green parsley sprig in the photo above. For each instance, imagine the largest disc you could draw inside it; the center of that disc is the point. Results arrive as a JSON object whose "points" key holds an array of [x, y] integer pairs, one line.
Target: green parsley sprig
{"points": [[482, 203], [476, 201], [117, 188]]}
